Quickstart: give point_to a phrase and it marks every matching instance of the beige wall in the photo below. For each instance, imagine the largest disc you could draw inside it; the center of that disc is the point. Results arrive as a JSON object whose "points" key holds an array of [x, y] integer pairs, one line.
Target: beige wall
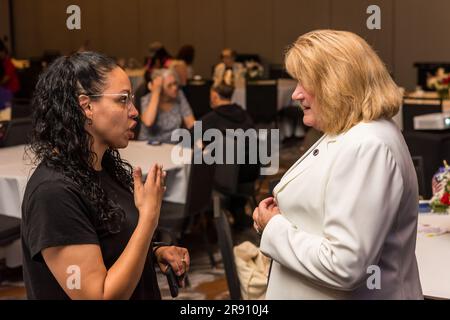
{"points": [[4, 22], [422, 33], [412, 30], [351, 15]]}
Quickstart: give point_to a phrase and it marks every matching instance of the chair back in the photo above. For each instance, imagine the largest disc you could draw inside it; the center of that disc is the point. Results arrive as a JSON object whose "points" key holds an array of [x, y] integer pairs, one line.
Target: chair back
{"points": [[21, 108], [227, 175], [9, 230], [418, 165], [225, 241], [261, 100], [200, 186], [17, 132], [197, 93]]}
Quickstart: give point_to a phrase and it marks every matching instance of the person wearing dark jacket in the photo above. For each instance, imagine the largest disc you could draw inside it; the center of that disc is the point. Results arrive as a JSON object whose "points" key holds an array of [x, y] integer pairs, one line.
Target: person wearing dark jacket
{"points": [[225, 114], [228, 115]]}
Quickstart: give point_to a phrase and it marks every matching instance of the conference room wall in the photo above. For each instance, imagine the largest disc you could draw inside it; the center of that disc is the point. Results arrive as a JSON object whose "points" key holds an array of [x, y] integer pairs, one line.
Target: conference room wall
{"points": [[412, 30], [350, 15], [5, 32], [421, 35]]}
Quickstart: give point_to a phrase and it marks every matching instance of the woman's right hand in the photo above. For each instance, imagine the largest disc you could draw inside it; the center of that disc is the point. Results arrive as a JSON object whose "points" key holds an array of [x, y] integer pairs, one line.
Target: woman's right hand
{"points": [[148, 196], [266, 210], [156, 85]]}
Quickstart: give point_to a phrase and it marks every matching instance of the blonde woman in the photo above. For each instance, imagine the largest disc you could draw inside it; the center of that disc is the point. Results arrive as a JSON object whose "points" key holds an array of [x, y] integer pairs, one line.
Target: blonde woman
{"points": [[342, 223]]}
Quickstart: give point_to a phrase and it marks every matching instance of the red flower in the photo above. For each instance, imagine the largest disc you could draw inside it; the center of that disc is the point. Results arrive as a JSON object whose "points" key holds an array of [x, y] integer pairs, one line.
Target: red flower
{"points": [[446, 80], [446, 199]]}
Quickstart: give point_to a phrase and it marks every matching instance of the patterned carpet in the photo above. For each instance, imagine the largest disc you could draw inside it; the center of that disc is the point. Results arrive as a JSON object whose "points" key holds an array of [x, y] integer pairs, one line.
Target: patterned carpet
{"points": [[205, 282]]}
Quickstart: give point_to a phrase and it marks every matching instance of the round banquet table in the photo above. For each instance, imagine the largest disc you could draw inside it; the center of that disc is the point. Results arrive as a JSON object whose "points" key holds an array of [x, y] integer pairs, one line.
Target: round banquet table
{"points": [[16, 167]]}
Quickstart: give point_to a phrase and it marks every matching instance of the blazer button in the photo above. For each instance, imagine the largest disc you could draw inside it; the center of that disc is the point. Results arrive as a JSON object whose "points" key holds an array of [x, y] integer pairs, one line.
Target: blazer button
{"points": [[315, 152]]}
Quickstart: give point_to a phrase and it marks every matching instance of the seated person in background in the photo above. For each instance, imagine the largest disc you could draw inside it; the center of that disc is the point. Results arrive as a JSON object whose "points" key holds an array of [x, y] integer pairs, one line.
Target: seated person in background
{"points": [[227, 115], [5, 99], [164, 109], [229, 71], [9, 79]]}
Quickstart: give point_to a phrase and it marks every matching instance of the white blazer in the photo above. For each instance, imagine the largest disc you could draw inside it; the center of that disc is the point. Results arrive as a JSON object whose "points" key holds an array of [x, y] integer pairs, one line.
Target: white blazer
{"points": [[349, 204]]}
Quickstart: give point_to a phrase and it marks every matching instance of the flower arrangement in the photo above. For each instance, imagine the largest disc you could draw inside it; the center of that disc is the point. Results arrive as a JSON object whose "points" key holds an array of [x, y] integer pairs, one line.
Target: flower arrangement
{"points": [[253, 70], [440, 203], [440, 82]]}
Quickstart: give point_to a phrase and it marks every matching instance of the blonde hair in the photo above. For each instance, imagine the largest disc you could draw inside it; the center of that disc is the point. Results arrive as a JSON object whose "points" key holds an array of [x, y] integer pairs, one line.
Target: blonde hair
{"points": [[348, 79]]}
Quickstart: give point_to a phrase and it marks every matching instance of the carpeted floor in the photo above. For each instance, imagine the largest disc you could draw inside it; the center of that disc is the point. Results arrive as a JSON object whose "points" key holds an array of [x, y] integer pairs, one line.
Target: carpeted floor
{"points": [[205, 282]]}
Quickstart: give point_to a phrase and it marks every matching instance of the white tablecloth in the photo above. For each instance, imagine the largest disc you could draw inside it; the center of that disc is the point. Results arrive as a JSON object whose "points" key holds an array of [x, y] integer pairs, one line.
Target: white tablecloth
{"points": [[15, 169], [433, 258], [284, 95], [141, 154]]}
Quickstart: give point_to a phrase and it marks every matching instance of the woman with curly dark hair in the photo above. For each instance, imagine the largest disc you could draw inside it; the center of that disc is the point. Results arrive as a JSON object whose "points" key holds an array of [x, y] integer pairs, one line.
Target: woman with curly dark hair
{"points": [[87, 218]]}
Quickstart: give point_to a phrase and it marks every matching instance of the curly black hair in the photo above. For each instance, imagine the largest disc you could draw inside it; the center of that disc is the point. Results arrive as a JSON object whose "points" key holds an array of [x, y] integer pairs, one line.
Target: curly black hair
{"points": [[59, 139]]}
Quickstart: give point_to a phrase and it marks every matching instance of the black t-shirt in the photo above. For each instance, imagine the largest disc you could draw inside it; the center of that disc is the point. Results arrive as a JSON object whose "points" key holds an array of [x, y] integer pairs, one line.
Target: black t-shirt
{"points": [[55, 213]]}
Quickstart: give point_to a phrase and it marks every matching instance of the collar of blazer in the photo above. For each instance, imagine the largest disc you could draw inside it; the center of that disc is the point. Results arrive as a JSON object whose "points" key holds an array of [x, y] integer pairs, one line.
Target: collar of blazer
{"points": [[310, 157]]}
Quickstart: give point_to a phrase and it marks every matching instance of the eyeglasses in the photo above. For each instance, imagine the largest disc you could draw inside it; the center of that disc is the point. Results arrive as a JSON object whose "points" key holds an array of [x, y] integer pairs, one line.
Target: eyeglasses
{"points": [[172, 84], [126, 98]]}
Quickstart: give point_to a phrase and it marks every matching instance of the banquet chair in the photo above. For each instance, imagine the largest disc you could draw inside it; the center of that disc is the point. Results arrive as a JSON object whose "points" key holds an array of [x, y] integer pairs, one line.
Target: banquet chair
{"points": [[9, 232], [226, 184], [225, 240], [17, 132], [176, 220], [226, 181], [3, 127], [28, 78], [418, 165], [261, 101], [228, 175], [197, 93], [21, 108]]}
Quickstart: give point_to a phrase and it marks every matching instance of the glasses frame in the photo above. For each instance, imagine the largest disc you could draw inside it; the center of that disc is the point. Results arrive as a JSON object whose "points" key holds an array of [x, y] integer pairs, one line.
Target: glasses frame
{"points": [[130, 97]]}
